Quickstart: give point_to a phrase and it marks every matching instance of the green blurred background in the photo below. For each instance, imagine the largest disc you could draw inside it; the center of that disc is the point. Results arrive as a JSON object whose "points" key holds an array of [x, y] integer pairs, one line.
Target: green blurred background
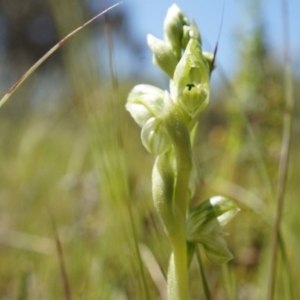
{"points": [[72, 164]]}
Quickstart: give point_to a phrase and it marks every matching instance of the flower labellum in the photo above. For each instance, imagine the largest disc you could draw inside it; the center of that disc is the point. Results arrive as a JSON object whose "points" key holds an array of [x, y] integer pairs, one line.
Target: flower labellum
{"points": [[155, 137]]}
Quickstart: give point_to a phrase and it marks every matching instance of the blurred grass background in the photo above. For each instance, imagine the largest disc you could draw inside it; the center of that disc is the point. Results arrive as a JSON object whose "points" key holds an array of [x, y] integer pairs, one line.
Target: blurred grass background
{"points": [[70, 154]]}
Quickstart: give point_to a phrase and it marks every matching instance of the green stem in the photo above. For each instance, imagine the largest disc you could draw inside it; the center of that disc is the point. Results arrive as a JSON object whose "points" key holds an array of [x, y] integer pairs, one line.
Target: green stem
{"points": [[183, 154], [162, 188], [178, 270]]}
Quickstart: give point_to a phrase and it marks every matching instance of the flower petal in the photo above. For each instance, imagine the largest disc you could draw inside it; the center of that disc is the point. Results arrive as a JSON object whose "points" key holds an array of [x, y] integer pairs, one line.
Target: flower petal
{"points": [[144, 102]]}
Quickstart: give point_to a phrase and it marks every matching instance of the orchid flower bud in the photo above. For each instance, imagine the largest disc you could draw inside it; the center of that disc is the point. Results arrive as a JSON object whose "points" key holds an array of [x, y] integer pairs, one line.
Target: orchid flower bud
{"points": [[191, 79], [204, 226], [173, 28], [163, 56], [190, 32]]}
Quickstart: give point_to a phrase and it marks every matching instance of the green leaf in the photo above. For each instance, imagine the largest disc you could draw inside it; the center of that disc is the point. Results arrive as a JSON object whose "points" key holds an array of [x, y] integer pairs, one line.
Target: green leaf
{"points": [[204, 226], [217, 251]]}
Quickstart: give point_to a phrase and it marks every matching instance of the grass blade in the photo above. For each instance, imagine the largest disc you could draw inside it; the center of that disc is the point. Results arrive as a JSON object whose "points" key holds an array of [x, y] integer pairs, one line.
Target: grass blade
{"points": [[49, 53], [285, 151]]}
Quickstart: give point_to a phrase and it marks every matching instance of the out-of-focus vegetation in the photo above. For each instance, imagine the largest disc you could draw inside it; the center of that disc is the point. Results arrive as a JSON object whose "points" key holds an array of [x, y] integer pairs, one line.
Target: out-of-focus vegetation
{"points": [[71, 155]]}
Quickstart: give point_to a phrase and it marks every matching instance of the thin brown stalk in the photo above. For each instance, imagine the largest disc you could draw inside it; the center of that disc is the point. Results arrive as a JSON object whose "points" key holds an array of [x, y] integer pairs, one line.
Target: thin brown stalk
{"points": [[285, 151], [62, 265]]}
